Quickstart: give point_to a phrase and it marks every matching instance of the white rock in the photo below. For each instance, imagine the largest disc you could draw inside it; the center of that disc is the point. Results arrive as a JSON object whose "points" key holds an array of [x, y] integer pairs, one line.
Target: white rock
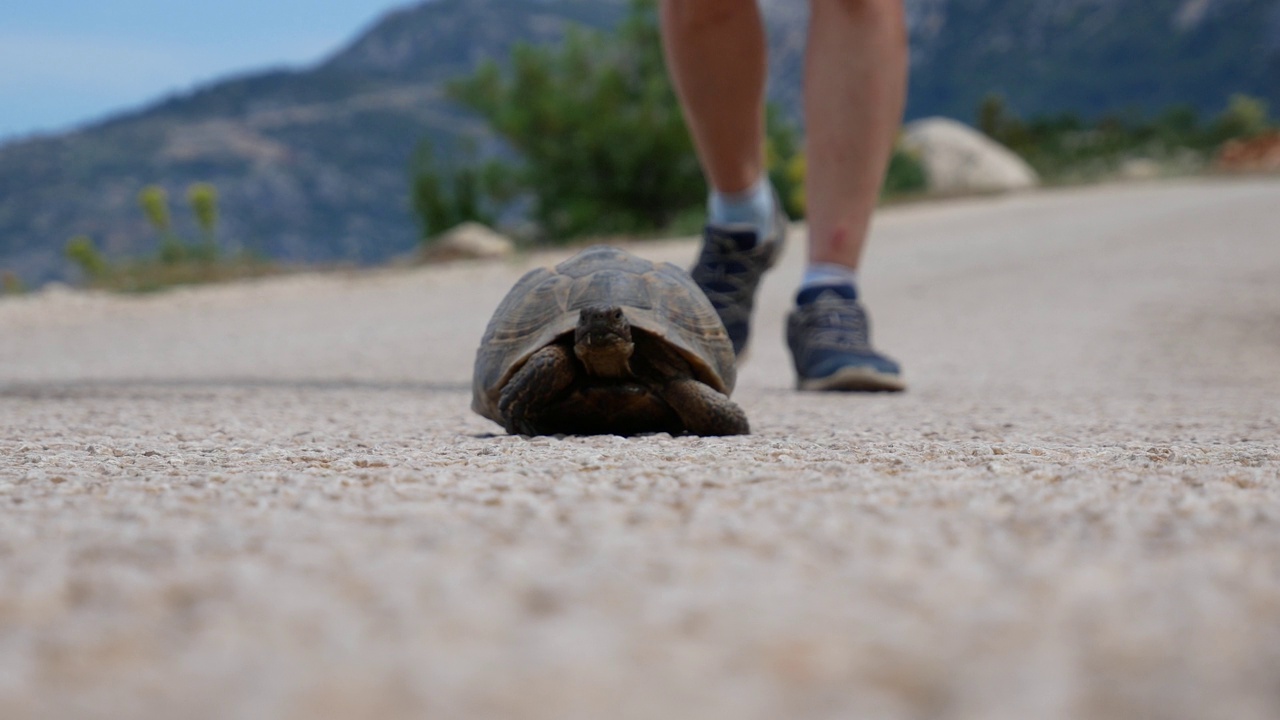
{"points": [[1140, 168], [959, 159], [55, 288], [470, 241]]}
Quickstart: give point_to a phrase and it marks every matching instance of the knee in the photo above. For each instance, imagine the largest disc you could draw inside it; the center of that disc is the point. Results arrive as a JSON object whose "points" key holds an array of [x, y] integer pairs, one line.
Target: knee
{"points": [[694, 15]]}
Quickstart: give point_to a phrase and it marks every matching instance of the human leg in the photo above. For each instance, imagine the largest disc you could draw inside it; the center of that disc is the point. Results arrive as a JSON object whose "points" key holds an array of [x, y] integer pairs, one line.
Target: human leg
{"points": [[855, 88], [716, 56], [856, 70]]}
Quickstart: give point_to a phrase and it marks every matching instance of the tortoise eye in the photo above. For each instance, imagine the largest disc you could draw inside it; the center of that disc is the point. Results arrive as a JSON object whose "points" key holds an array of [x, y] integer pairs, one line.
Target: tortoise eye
{"points": [[617, 314]]}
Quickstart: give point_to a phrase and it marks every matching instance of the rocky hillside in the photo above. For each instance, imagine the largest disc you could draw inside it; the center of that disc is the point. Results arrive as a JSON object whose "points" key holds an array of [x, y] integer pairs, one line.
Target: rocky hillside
{"points": [[1094, 56], [312, 164]]}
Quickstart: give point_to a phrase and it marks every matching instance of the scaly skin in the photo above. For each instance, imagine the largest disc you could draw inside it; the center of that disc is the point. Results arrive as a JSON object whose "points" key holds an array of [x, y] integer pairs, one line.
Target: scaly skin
{"points": [[548, 373], [606, 350]]}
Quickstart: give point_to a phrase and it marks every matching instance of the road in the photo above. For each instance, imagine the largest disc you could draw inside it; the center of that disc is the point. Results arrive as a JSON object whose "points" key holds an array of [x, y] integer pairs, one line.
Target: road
{"points": [[270, 500]]}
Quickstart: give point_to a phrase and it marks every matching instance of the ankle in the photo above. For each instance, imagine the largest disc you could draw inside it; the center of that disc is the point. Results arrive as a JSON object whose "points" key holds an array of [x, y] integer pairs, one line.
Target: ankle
{"points": [[819, 277], [753, 208]]}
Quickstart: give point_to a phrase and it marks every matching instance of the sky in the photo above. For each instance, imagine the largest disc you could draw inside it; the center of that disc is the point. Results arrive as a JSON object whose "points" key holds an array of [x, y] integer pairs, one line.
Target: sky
{"points": [[65, 63]]}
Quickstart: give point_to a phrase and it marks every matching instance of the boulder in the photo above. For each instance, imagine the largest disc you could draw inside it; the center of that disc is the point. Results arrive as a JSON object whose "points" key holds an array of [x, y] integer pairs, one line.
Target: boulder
{"points": [[958, 159], [470, 241]]}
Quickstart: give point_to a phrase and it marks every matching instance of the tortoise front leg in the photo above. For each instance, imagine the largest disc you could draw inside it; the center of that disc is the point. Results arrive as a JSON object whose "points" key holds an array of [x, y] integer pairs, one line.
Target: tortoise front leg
{"points": [[704, 410], [546, 374]]}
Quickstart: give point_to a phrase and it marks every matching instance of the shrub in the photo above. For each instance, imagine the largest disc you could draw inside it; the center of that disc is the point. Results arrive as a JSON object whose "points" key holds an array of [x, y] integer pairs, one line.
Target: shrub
{"points": [[597, 127], [81, 251], [446, 194]]}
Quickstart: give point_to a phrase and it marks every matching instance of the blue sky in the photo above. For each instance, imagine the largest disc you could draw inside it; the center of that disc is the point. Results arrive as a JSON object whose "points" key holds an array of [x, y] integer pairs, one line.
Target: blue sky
{"points": [[64, 63]]}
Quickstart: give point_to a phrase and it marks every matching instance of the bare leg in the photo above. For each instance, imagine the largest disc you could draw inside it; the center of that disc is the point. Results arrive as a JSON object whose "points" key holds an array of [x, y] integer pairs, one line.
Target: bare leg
{"points": [[855, 88], [716, 55]]}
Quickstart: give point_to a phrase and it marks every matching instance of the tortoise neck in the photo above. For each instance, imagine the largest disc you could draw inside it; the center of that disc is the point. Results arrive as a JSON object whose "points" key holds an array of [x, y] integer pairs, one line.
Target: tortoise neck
{"points": [[607, 361]]}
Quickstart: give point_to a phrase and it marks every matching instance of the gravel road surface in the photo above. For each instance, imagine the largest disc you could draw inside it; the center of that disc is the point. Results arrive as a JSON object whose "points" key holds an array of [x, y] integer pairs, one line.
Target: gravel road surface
{"points": [[270, 500]]}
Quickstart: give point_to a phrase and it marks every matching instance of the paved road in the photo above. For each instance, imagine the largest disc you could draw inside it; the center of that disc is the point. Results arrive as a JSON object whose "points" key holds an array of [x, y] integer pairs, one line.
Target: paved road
{"points": [[269, 500]]}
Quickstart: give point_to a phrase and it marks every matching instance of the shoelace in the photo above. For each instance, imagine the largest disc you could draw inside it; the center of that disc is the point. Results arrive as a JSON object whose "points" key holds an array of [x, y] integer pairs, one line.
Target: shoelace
{"points": [[727, 290], [836, 323]]}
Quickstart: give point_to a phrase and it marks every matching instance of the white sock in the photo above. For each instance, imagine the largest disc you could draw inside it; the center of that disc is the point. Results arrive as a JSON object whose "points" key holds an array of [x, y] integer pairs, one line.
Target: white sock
{"points": [[822, 274], [753, 207]]}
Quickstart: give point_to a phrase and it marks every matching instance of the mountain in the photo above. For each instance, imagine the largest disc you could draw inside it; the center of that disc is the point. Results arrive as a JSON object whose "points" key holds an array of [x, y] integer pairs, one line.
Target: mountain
{"points": [[1094, 56], [311, 165]]}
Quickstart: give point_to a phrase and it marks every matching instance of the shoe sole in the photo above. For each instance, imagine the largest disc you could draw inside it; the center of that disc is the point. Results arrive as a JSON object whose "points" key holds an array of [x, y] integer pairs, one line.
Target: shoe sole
{"points": [[855, 380]]}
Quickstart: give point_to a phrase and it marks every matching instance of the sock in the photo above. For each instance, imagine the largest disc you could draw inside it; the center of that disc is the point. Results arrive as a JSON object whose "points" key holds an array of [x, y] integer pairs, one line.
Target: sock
{"points": [[823, 276], [752, 207]]}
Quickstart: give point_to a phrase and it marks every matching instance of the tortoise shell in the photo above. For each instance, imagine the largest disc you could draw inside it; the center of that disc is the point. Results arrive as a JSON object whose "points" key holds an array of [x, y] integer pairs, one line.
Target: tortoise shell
{"points": [[543, 307]]}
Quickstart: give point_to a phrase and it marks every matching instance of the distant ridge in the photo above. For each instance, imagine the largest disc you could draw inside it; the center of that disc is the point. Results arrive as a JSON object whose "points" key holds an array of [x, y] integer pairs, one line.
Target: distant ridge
{"points": [[312, 164]]}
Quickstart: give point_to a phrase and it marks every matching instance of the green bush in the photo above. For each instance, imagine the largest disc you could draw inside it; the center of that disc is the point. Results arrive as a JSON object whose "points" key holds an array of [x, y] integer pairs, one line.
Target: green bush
{"points": [[597, 127], [786, 161], [1244, 117], [601, 142], [81, 251], [1066, 148], [905, 174], [203, 198], [445, 194], [154, 202], [175, 262]]}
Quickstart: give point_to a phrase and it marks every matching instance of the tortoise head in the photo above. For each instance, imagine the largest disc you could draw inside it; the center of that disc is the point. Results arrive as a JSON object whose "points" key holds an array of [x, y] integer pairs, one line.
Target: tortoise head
{"points": [[602, 341]]}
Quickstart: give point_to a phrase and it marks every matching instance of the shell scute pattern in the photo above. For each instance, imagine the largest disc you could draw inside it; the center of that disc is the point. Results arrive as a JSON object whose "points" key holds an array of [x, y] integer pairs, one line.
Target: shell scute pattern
{"points": [[660, 299]]}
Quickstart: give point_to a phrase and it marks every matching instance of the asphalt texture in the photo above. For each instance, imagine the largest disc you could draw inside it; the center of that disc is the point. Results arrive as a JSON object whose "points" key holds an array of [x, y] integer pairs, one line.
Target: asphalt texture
{"points": [[270, 499]]}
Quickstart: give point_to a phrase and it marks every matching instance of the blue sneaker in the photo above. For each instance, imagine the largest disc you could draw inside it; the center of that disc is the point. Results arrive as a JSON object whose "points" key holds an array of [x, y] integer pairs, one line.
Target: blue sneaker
{"points": [[829, 336], [729, 269]]}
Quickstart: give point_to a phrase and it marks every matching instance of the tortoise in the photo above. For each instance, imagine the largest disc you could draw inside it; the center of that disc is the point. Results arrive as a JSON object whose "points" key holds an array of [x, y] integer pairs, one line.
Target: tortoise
{"points": [[607, 343]]}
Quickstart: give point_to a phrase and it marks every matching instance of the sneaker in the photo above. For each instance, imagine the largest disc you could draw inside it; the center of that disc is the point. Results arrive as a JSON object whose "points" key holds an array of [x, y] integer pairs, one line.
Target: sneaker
{"points": [[729, 269], [829, 337]]}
